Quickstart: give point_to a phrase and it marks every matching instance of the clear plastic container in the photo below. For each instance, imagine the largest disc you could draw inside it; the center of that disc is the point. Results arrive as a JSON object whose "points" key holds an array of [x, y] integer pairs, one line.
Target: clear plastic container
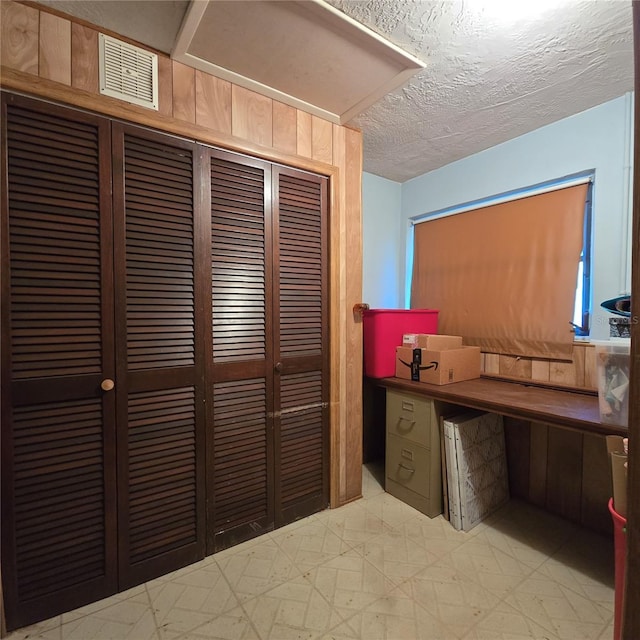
{"points": [[612, 371]]}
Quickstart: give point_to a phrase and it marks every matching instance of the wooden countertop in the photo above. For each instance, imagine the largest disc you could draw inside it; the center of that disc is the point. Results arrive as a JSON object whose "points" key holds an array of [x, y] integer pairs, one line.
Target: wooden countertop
{"points": [[564, 408]]}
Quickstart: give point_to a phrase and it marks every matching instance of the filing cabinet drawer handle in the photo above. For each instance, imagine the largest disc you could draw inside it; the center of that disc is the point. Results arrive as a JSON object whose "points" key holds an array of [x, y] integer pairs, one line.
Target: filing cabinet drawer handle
{"points": [[404, 466], [410, 426]]}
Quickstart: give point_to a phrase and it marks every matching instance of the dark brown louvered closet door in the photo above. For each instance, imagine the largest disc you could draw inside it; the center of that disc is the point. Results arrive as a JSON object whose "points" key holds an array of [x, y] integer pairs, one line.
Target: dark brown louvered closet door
{"points": [[301, 384], [240, 432], [268, 372], [159, 365], [58, 426]]}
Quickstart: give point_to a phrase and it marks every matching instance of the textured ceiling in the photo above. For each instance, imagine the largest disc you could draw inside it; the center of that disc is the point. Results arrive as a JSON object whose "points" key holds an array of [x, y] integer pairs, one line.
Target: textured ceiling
{"points": [[490, 76]]}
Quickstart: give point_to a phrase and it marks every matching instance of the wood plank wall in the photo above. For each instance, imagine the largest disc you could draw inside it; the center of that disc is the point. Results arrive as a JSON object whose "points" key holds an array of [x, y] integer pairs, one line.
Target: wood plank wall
{"points": [[579, 372], [561, 470], [45, 53]]}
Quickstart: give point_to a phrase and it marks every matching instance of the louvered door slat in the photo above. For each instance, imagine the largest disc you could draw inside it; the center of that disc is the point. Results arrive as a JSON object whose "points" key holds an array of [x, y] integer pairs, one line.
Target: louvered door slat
{"points": [[158, 458], [240, 469], [58, 484], [301, 266], [160, 410], [64, 224], [158, 176], [238, 261], [301, 435], [301, 482]]}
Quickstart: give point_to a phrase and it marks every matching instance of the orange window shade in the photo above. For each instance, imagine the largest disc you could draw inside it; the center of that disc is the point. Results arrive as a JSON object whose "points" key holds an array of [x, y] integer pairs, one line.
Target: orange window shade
{"points": [[504, 276]]}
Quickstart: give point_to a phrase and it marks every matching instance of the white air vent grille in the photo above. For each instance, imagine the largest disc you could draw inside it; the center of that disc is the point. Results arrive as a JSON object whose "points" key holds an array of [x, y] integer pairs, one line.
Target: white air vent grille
{"points": [[128, 73]]}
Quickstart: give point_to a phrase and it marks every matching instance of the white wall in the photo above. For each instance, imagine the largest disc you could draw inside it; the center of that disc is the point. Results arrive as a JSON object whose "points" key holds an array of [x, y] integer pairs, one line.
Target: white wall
{"points": [[382, 250], [595, 139]]}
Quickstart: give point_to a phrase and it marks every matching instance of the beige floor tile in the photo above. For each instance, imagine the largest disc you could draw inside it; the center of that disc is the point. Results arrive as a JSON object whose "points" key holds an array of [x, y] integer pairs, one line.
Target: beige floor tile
{"points": [[293, 610], [584, 561], [127, 620], [191, 599], [396, 617], [309, 543], [492, 568], [372, 480], [396, 556], [257, 568], [529, 534], [506, 623], [559, 609], [350, 582], [434, 534], [46, 630], [232, 625], [353, 523], [136, 594], [390, 510], [450, 596]]}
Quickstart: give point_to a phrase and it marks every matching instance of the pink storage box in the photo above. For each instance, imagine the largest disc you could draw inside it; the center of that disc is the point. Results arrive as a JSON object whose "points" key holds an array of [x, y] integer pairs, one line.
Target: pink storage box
{"points": [[382, 332]]}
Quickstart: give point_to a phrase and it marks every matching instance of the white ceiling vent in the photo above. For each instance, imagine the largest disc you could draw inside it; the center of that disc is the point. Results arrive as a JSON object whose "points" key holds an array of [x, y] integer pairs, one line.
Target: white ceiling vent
{"points": [[128, 73]]}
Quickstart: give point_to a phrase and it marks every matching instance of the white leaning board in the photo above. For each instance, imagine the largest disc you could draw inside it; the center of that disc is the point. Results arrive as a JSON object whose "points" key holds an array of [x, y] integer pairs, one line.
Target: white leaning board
{"points": [[476, 463]]}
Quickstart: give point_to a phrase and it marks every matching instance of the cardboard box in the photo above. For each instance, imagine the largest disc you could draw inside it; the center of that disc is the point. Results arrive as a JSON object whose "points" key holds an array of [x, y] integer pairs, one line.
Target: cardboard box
{"points": [[437, 342], [433, 341], [438, 366], [410, 340]]}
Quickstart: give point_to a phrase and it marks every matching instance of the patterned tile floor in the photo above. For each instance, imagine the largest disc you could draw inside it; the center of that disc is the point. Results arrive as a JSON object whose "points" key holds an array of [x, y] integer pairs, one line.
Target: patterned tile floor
{"points": [[375, 569]]}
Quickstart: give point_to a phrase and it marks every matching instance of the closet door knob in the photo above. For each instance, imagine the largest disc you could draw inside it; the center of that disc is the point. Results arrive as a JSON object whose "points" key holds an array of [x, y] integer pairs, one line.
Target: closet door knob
{"points": [[278, 367], [107, 384]]}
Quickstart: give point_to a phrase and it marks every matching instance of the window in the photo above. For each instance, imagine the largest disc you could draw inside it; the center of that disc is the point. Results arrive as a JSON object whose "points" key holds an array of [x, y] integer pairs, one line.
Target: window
{"points": [[503, 272], [582, 307]]}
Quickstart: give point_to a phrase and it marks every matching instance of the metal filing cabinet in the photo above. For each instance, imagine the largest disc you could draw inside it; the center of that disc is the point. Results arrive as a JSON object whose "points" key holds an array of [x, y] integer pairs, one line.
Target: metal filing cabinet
{"points": [[412, 467]]}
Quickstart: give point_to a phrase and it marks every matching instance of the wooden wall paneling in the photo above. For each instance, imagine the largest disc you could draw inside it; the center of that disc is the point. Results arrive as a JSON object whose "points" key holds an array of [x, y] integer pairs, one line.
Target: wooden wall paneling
{"points": [[515, 366], [492, 363], [579, 364], [517, 435], [184, 92], [590, 375], [540, 370], [564, 473], [596, 484], [563, 372], [303, 134], [353, 249], [55, 48], [165, 86], [538, 468], [213, 102], [251, 116], [338, 317], [84, 58], [321, 140], [285, 127], [19, 47]]}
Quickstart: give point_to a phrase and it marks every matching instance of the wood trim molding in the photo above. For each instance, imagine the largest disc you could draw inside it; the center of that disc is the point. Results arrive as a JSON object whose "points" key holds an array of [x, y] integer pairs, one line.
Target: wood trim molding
{"points": [[31, 85]]}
